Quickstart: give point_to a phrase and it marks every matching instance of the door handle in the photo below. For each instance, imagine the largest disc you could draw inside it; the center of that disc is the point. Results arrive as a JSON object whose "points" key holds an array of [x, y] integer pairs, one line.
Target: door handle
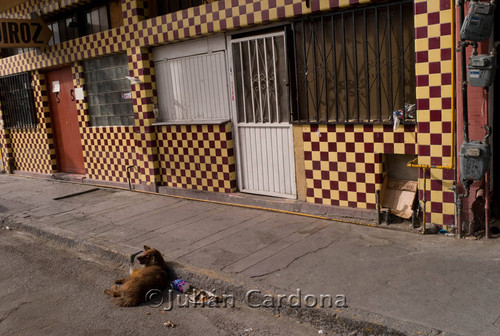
{"points": [[57, 96], [72, 93]]}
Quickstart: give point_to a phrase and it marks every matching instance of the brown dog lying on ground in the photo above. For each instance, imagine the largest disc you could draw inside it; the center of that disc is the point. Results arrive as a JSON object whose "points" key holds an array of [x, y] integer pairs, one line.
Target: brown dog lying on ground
{"points": [[133, 290]]}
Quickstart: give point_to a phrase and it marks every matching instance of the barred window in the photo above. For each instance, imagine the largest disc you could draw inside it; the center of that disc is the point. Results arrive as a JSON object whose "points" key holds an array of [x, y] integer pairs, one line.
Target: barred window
{"points": [[17, 101], [353, 66]]}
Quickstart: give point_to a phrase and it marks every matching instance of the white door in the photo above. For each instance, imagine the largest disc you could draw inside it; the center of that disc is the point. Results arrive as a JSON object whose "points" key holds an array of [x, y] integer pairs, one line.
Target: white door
{"points": [[264, 134]]}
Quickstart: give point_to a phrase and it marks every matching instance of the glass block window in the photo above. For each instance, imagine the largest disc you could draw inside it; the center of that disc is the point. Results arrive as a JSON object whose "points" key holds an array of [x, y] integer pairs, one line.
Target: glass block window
{"points": [[108, 91]]}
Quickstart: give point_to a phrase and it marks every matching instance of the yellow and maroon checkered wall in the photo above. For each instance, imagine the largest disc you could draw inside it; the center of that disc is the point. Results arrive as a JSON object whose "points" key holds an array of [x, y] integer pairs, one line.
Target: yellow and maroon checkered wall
{"points": [[343, 167], [33, 149], [434, 46], [344, 163], [197, 157], [108, 152]]}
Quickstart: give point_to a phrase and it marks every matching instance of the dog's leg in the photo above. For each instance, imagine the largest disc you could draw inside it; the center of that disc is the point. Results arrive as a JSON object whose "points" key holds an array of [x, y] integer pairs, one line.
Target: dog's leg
{"points": [[111, 292]]}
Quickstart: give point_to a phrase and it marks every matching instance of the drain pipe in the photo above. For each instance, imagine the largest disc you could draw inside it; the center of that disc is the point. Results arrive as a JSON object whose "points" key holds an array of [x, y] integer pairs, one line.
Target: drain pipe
{"points": [[487, 175], [424, 200], [465, 113], [128, 176], [487, 128]]}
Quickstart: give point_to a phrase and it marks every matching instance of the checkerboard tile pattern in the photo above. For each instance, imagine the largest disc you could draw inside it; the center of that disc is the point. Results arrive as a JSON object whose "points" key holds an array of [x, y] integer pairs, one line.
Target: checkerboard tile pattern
{"points": [[197, 157], [358, 171], [107, 151], [33, 149], [440, 208], [5, 142], [141, 66], [434, 66], [215, 17], [41, 7], [344, 163], [134, 11]]}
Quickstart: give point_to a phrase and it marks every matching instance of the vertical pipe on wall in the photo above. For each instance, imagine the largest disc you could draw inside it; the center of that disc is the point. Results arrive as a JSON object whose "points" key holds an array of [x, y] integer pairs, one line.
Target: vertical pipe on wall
{"points": [[487, 175]]}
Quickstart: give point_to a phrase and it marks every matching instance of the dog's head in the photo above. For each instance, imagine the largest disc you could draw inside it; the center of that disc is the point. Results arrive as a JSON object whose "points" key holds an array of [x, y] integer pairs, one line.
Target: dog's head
{"points": [[151, 257]]}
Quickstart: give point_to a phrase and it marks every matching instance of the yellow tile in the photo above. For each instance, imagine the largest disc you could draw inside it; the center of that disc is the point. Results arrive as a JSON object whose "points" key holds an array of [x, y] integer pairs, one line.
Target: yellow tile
{"points": [[421, 20], [448, 208], [436, 196], [445, 15], [332, 156], [435, 103], [446, 66], [343, 3], [434, 30], [421, 69], [325, 165], [323, 146], [436, 219], [351, 157], [422, 92], [436, 151]]}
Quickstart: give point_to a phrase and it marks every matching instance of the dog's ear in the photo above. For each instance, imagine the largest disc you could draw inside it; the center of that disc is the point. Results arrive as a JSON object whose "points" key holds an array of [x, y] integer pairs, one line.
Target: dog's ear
{"points": [[146, 247]]}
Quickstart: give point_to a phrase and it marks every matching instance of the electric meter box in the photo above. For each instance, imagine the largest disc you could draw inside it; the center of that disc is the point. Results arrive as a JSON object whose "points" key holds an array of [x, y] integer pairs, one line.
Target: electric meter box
{"points": [[482, 70], [478, 23], [474, 160]]}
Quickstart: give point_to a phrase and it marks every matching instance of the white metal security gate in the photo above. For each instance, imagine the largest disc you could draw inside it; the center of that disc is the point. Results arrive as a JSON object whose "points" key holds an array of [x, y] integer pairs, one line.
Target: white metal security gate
{"points": [[264, 133]]}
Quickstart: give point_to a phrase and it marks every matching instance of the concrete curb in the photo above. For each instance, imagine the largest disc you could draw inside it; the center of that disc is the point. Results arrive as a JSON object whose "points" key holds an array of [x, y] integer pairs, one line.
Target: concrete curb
{"points": [[340, 320]]}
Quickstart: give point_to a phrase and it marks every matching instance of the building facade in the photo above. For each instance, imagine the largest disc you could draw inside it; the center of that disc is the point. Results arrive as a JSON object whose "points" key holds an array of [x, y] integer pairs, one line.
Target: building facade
{"points": [[322, 101]]}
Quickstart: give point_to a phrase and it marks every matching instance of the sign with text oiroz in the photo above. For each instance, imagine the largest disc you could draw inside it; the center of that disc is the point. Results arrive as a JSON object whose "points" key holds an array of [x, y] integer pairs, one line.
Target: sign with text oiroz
{"points": [[24, 33]]}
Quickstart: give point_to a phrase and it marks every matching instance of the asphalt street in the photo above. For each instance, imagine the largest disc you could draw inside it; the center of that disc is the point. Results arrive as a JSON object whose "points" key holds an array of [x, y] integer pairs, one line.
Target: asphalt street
{"points": [[46, 289]]}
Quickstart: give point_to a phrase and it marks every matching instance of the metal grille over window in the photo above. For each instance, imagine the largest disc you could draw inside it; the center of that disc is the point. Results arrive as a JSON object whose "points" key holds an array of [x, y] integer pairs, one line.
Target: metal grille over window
{"points": [[17, 102], [261, 80], [354, 66], [108, 91]]}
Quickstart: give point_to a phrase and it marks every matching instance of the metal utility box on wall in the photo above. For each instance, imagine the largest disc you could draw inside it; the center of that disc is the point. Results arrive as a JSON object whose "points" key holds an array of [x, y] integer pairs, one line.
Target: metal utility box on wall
{"points": [[478, 23], [482, 70], [474, 160]]}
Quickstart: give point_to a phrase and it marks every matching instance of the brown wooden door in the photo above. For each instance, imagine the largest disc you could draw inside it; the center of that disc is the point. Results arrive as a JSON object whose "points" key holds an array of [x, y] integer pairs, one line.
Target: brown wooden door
{"points": [[65, 122]]}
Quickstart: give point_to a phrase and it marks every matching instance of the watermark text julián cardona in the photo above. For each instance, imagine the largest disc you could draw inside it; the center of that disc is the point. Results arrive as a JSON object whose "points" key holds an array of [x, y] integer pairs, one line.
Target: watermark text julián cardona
{"points": [[254, 298]]}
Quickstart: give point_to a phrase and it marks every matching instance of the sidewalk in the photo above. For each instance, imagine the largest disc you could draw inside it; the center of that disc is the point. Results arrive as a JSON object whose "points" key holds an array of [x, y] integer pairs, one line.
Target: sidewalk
{"points": [[412, 283]]}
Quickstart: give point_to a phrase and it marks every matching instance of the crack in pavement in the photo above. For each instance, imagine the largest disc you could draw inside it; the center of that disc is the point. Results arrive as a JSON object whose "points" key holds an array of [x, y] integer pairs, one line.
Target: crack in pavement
{"points": [[8, 313], [300, 257]]}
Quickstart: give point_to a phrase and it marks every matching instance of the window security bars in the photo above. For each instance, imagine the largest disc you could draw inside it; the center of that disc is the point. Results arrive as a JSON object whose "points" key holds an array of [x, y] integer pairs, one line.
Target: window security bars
{"points": [[17, 102], [260, 78], [353, 66]]}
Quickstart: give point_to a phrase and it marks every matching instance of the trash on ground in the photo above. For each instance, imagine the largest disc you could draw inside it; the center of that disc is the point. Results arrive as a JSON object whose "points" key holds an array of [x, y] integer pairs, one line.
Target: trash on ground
{"points": [[201, 296], [169, 324], [398, 195], [248, 330], [180, 285], [431, 228], [148, 313], [322, 332]]}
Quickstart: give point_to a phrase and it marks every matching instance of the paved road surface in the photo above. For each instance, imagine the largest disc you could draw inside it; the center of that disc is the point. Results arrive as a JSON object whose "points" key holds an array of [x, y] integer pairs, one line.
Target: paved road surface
{"points": [[49, 290]]}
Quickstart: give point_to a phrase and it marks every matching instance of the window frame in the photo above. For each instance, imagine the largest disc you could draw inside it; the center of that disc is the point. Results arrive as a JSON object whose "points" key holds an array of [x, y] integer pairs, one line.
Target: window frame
{"points": [[312, 115], [19, 109]]}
